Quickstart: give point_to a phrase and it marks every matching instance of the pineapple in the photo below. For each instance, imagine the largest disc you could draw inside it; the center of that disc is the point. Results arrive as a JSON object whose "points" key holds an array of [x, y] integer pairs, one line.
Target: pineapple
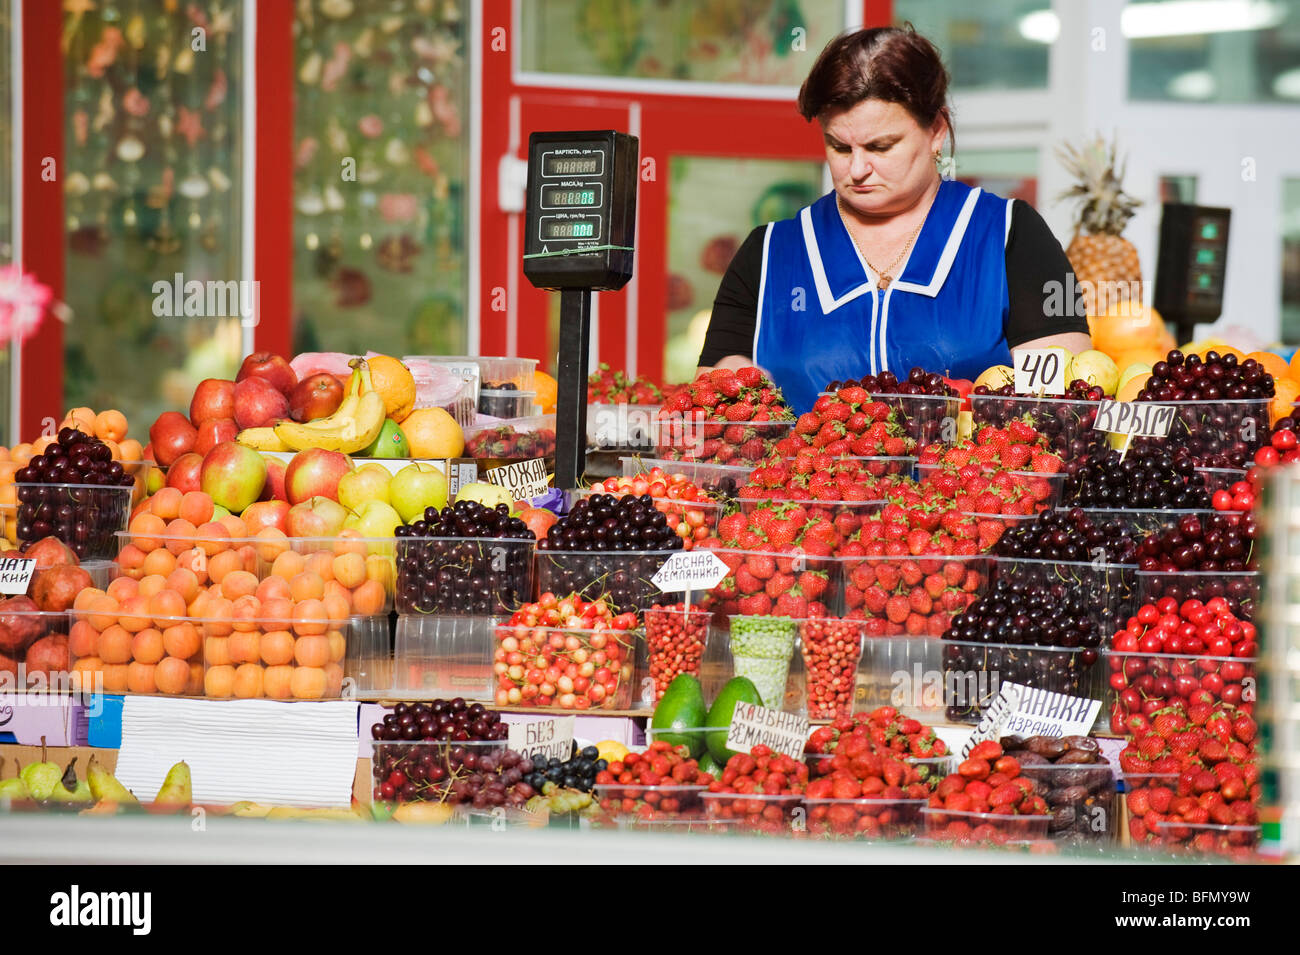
{"points": [[1104, 262]]}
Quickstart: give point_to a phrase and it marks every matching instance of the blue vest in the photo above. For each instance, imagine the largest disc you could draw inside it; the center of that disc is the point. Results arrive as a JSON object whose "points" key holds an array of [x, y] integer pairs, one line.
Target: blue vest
{"points": [[821, 316]]}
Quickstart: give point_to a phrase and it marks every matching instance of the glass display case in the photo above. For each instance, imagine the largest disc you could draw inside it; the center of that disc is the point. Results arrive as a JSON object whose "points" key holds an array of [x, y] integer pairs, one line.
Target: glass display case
{"points": [[381, 166], [153, 178]]}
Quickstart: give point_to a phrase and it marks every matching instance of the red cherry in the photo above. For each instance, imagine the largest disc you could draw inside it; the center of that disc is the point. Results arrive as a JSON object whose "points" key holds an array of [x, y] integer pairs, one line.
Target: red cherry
{"points": [[1284, 440], [1222, 500], [1267, 456]]}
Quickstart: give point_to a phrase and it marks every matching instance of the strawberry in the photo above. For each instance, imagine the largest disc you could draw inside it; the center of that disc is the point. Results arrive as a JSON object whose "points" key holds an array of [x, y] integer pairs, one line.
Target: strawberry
{"points": [[729, 527], [790, 605], [920, 601], [808, 423], [1046, 464], [897, 608], [853, 395], [749, 377], [1022, 432], [812, 584], [758, 605], [1016, 457]]}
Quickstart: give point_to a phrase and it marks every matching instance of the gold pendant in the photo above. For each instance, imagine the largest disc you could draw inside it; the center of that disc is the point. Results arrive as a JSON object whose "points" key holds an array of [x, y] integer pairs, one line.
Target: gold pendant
{"points": [[885, 279]]}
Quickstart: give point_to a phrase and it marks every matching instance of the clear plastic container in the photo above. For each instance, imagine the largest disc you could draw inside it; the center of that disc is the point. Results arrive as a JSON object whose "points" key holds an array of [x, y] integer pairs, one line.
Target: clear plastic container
{"points": [[676, 642], [831, 648], [1111, 589], [1186, 838], [445, 656], [1221, 479], [976, 671], [38, 651], [1067, 422], [1042, 488], [442, 574], [1212, 427], [692, 521], [99, 513], [754, 812], [102, 572], [649, 803], [1240, 588], [933, 588], [623, 577], [368, 665], [514, 439], [724, 442], [761, 649], [903, 672], [613, 427], [1176, 676], [428, 766], [983, 828], [1082, 797], [725, 479], [864, 818], [493, 371], [506, 402], [929, 419], [1138, 521], [584, 669], [813, 585]]}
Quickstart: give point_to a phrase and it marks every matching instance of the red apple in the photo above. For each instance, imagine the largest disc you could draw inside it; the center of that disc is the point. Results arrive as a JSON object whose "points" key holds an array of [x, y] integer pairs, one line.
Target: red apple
{"points": [[184, 472], [263, 514], [538, 519], [258, 403], [962, 386], [274, 489], [315, 473], [271, 367], [171, 436], [212, 432], [316, 397], [213, 398], [316, 517], [232, 475]]}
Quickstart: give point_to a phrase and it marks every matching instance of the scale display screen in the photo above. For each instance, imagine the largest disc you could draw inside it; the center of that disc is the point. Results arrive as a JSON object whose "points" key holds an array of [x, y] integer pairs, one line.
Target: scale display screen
{"points": [[567, 164], [554, 228], [564, 197]]}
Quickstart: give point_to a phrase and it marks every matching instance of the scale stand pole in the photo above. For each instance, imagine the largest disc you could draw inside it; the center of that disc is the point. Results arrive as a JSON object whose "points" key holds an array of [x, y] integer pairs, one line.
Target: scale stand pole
{"points": [[571, 405]]}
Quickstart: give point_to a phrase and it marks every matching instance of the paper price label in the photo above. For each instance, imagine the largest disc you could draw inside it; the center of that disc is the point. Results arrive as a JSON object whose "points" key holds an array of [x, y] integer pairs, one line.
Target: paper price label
{"points": [[16, 574], [1024, 711], [549, 738], [690, 570], [1040, 371], [524, 480], [1140, 419], [782, 732]]}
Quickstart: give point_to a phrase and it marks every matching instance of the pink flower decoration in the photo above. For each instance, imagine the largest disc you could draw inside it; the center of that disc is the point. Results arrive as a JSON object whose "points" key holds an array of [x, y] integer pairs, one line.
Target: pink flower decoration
{"points": [[398, 206], [23, 303], [135, 102], [371, 126]]}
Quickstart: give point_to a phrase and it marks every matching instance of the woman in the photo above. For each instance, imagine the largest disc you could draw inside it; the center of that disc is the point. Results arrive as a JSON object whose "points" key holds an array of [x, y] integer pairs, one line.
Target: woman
{"points": [[896, 266]]}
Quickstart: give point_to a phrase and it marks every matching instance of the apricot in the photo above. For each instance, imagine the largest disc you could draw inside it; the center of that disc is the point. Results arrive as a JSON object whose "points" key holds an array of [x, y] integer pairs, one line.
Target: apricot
{"points": [[199, 605], [245, 646], [83, 640], [379, 568], [171, 675], [194, 560], [196, 507], [308, 683], [338, 646], [110, 425], [82, 418], [120, 588], [85, 596], [234, 525], [195, 686], [166, 503], [277, 612], [310, 618], [130, 559], [211, 537], [216, 650], [273, 588], [248, 558], [131, 450], [306, 586], [246, 613], [147, 646], [41, 443], [87, 675], [369, 599], [288, 565], [115, 677], [161, 561], [146, 529], [322, 563], [219, 680], [102, 611], [238, 583], [337, 609], [277, 682], [221, 565], [164, 605], [134, 614], [180, 534], [248, 681], [184, 583], [333, 680], [115, 644], [312, 651], [349, 570], [271, 543], [182, 640], [217, 616], [277, 647], [139, 678], [151, 585]]}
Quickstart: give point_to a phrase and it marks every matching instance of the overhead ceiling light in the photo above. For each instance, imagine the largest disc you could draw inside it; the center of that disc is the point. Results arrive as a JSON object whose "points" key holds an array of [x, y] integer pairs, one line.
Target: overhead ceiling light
{"points": [[1189, 17], [1287, 85], [1041, 26], [1193, 85]]}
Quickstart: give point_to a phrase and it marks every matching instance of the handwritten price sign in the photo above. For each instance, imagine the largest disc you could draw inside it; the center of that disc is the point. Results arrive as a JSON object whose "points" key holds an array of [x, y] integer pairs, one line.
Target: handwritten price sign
{"points": [[1040, 371]]}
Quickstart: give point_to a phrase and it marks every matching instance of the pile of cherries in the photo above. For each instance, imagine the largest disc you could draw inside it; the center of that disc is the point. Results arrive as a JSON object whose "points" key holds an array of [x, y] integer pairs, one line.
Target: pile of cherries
{"points": [[1148, 476], [463, 559], [453, 720], [1068, 536], [918, 382]]}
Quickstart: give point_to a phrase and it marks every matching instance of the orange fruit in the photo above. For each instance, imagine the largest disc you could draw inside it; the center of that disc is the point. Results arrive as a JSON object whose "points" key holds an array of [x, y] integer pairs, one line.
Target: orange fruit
{"points": [[432, 433], [547, 389], [393, 381], [1273, 363], [1286, 392]]}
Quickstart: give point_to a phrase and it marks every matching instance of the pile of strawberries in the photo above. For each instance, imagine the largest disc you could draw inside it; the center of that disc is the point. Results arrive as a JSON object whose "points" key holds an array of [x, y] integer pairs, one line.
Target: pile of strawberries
{"points": [[849, 422], [990, 783], [914, 596], [764, 582], [723, 416], [759, 789], [815, 474], [653, 782], [885, 733], [782, 527], [915, 523], [866, 794], [605, 387], [1017, 447], [506, 442], [1193, 778], [975, 490]]}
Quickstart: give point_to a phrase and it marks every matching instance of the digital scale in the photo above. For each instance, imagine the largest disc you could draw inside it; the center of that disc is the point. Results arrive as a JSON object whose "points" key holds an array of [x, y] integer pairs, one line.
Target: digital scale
{"points": [[1191, 265], [579, 223]]}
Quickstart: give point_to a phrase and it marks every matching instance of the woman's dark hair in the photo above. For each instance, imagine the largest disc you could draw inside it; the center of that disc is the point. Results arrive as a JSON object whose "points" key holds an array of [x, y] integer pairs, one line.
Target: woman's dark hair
{"points": [[893, 64]]}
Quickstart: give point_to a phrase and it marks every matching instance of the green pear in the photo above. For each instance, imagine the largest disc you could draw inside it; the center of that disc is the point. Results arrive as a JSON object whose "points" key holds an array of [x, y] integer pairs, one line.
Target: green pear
{"points": [[391, 443], [176, 788], [42, 777], [70, 789], [13, 790], [105, 787]]}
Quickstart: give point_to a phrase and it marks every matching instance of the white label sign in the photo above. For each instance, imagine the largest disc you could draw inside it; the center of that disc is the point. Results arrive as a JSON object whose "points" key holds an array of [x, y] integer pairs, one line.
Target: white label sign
{"points": [[549, 738], [524, 480], [1141, 419], [16, 574], [752, 725], [1024, 711], [1040, 371], [690, 570]]}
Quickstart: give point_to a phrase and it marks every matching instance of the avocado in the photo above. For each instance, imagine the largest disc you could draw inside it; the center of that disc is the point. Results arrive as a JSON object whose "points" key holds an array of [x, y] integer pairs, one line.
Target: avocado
{"points": [[738, 689], [681, 708]]}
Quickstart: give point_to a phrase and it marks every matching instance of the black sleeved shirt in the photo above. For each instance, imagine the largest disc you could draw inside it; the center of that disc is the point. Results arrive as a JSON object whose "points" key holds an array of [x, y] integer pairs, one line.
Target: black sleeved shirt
{"points": [[1033, 258]]}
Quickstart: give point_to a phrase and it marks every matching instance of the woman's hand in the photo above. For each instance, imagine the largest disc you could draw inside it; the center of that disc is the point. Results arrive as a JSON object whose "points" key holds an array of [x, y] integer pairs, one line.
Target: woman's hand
{"points": [[731, 361], [1073, 342]]}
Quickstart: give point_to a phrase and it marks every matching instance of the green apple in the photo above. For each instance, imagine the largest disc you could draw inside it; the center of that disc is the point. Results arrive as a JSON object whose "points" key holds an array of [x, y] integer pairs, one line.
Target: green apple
{"points": [[416, 487], [367, 483], [373, 519], [218, 512], [1096, 368], [489, 495], [391, 443]]}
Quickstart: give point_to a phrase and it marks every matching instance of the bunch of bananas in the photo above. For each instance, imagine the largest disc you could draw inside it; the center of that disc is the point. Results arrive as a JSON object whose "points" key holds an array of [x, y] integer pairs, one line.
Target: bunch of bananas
{"points": [[352, 428]]}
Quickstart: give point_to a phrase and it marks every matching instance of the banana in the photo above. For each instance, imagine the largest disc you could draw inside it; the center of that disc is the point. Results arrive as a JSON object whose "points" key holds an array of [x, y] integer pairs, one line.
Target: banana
{"points": [[352, 428], [261, 439]]}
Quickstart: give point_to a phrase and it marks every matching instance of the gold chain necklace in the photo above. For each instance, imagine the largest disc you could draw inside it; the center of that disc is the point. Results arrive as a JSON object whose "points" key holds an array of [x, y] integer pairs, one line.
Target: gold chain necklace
{"points": [[885, 274]]}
